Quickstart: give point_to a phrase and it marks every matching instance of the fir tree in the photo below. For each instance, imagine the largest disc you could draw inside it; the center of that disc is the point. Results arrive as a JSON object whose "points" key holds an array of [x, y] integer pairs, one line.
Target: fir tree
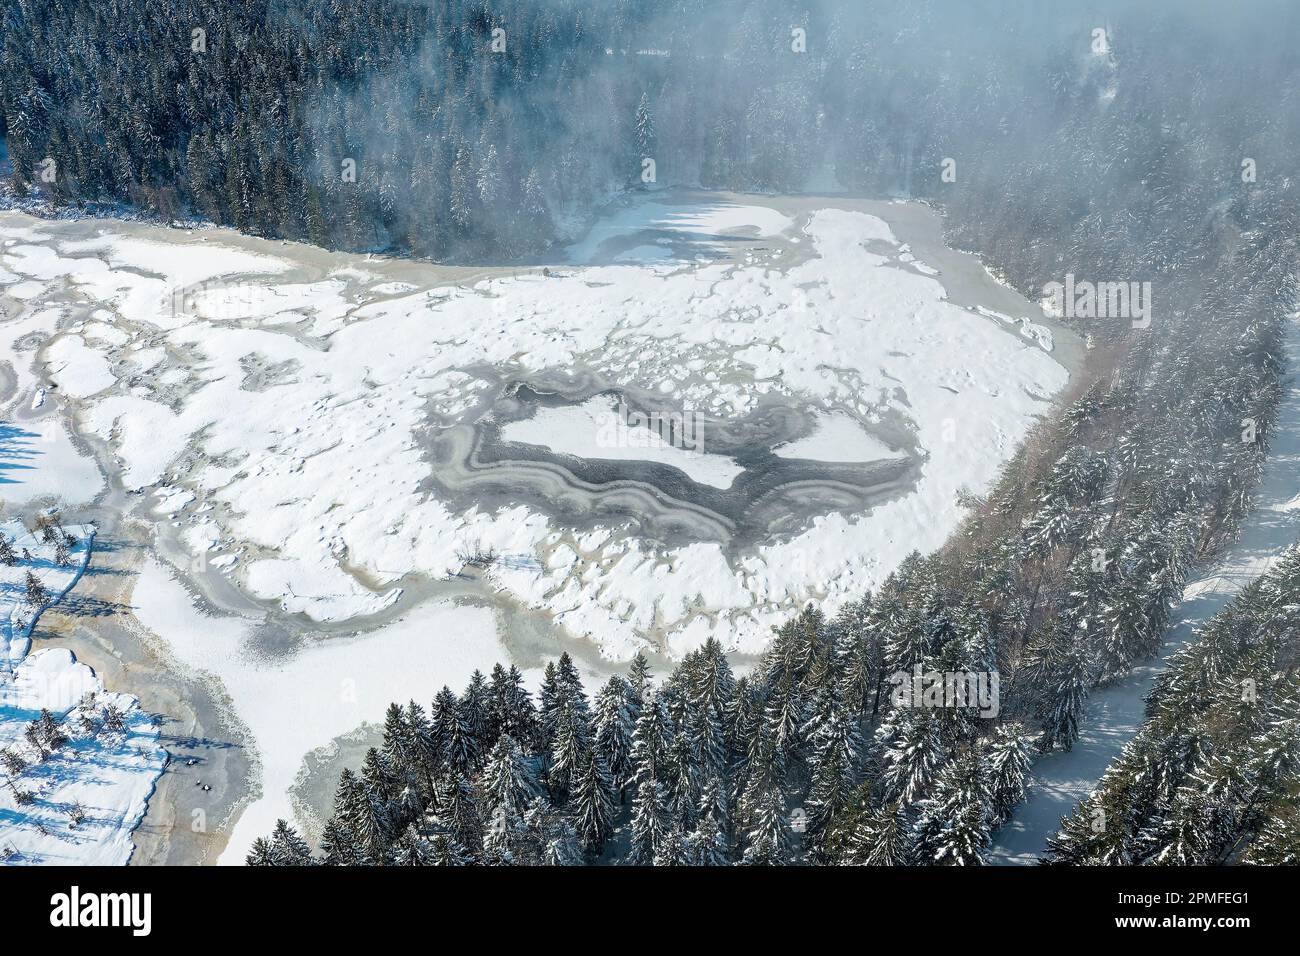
{"points": [[614, 726], [1007, 761], [649, 823], [37, 596], [287, 847], [593, 804], [768, 841], [881, 837], [260, 854]]}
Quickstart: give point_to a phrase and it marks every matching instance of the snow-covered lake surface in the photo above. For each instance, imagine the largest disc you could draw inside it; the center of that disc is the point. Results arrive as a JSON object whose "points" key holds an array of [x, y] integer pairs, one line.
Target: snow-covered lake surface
{"points": [[1114, 713], [836, 438], [273, 413], [596, 430]]}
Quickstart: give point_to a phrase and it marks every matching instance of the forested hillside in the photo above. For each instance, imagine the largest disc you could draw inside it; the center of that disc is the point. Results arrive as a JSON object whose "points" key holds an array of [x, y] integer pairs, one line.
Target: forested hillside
{"points": [[1212, 777], [477, 128]]}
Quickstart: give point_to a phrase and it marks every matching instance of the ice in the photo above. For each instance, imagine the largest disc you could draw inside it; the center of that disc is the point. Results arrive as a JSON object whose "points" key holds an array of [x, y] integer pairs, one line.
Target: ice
{"points": [[308, 438]]}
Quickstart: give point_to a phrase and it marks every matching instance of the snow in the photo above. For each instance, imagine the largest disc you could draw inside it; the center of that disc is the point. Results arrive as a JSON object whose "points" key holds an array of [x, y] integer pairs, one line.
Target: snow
{"points": [[38, 462], [80, 370], [315, 466], [295, 704], [321, 591], [17, 616], [836, 438], [37, 458], [595, 429], [1036, 332], [110, 775], [1113, 714]]}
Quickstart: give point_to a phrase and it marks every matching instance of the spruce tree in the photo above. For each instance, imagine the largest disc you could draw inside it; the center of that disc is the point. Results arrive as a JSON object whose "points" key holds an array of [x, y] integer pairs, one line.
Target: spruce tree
{"points": [[768, 841], [649, 823], [881, 837], [287, 847], [593, 804], [614, 727]]}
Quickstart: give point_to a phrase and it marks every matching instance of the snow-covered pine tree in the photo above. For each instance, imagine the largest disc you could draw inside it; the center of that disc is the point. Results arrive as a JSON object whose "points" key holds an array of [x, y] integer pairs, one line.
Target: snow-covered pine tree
{"points": [[1007, 758], [1069, 676], [614, 726], [287, 848], [593, 804], [571, 737], [881, 837], [509, 782], [709, 840], [511, 707], [651, 741], [767, 842], [35, 591], [412, 849], [913, 753], [954, 825], [259, 854], [649, 823]]}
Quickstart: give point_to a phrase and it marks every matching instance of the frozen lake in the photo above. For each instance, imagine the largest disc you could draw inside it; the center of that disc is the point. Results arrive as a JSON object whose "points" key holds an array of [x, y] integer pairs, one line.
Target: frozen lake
{"points": [[357, 479]]}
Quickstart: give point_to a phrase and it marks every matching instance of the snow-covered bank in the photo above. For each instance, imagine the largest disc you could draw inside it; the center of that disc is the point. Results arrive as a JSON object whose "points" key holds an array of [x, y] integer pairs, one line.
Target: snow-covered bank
{"points": [[295, 700], [79, 794], [79, 763], [1114, 713], [18, 615]]}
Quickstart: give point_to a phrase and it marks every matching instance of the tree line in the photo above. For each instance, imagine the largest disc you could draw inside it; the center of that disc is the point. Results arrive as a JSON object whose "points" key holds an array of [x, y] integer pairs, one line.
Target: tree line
{"points": [[1213, 775]]}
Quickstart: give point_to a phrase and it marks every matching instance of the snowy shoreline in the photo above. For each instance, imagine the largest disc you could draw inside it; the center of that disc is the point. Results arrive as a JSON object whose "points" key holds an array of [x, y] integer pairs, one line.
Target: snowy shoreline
{"points": [[76, 791]]}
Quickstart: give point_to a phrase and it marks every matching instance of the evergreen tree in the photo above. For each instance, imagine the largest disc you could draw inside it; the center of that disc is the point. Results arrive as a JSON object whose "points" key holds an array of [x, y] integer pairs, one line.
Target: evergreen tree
{"points": [[880, 838], [913, 754], [37, 596], [768, 840], [614, 726], [1007, 761], [593, 804], [649, 823], [287, 848], [260, 854]]}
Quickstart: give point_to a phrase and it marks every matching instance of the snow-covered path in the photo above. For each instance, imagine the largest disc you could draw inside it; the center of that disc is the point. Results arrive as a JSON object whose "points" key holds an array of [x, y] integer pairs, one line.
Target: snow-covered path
{"points": [[1113, 715]]}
